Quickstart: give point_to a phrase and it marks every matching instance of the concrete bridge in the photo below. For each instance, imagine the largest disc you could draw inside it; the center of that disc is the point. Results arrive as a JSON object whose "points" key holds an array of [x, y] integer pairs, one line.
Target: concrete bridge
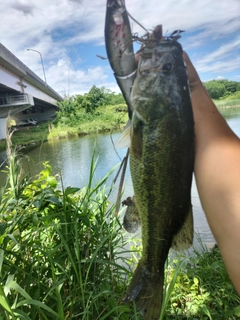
{"points": [[23, 94]]}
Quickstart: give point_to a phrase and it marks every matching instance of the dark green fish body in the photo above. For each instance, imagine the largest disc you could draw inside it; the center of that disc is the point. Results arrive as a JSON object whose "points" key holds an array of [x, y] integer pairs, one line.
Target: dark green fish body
{"points": [[161, 163], [161, 150]]}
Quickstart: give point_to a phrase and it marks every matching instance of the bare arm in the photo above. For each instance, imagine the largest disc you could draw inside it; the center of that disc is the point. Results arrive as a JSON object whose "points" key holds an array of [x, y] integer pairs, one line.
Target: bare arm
{"points": [[217, 173]]}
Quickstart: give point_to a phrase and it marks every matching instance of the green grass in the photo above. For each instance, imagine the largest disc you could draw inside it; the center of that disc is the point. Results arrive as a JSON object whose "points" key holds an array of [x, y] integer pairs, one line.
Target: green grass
{"points": [[232, 100], [229, 107], [31, 136], [228, 103], [202, 288], [64, 255]]}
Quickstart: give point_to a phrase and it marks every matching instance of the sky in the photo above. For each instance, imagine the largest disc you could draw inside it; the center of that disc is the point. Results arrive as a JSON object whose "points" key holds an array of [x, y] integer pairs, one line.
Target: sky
{"points": [[70, 36]]}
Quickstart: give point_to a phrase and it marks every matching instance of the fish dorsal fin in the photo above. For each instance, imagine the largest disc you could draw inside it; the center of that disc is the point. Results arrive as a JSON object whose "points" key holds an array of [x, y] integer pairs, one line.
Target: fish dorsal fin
{"points": [[184, 238], [124, 141]]}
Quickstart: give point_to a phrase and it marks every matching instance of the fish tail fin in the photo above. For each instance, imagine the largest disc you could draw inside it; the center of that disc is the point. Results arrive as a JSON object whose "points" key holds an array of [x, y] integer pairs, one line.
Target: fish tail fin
{"points": [[146, 290]]}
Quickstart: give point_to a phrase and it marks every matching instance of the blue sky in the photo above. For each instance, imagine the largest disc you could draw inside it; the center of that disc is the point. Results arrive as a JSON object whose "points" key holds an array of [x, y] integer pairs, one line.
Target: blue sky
{"points": [[70, 35]]}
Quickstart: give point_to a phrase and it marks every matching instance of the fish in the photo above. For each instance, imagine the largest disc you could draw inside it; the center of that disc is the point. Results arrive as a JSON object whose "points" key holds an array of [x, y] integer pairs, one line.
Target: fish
{"points": [[161, 141], [161, 166], [119, 47], [120, 53]]}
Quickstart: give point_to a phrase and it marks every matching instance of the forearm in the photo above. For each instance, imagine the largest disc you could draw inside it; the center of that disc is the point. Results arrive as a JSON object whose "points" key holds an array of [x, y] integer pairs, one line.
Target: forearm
{"points": [[217, 173]]}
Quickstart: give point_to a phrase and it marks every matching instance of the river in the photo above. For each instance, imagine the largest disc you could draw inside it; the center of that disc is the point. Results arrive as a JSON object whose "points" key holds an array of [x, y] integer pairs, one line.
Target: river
{"points": [[71, 160]]}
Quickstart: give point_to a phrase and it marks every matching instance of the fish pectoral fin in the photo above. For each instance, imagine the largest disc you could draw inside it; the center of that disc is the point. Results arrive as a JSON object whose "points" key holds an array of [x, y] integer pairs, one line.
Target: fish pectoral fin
{"points": [[131, 220], [184, 238], [124, 141]]}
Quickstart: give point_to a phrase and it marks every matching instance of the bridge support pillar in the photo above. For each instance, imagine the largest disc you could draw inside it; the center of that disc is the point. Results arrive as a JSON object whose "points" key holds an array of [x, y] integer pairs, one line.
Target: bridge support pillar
{"points": [[3, 128]]}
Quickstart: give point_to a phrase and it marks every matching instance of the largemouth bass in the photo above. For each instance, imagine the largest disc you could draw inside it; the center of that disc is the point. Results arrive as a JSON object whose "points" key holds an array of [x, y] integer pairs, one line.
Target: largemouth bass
{"points": [[161, 150], [161, 165]]}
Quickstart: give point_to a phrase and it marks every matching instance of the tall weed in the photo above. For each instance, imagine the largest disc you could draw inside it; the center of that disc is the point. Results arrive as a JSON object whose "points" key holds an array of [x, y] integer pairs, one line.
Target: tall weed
{"points": [[59, 252]]}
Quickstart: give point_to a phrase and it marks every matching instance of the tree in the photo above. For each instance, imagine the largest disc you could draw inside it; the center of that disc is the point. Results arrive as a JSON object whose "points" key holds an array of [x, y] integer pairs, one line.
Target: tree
{"points": [[66, 107], [113, 98], [238, 86], [90, 101], [215, 89], [231, 86], [93, 99], [219, 88]]}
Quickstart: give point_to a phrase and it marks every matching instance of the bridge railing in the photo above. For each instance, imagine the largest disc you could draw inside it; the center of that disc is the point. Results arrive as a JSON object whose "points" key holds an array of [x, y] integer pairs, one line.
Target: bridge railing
{"points": [[14, 100]]}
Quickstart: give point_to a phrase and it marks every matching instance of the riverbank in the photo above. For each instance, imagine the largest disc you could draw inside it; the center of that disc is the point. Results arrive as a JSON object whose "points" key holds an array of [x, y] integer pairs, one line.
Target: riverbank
{"points": [[105, 119]]}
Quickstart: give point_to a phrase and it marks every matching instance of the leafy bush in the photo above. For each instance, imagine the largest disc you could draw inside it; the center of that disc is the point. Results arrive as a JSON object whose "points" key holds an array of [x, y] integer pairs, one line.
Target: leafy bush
{"points": [[88, 102], [67, 107], [215, 89], [221, 88], [94, 99]]}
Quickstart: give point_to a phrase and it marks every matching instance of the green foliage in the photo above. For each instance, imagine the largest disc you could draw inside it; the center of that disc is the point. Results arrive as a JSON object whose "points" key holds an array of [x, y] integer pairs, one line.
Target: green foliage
{"points": [[98, 110], [113, 98], [215, 89], [63, 256], [31, 136], [67, 107], [229, 106], [94, 99], [89, 102], [231, 86], [59, 252], [202, 289], [221, 88]]}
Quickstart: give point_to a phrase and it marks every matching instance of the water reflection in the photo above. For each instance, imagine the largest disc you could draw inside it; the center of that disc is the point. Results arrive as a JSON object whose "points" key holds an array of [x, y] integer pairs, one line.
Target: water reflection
{"points": [[72, 158]]}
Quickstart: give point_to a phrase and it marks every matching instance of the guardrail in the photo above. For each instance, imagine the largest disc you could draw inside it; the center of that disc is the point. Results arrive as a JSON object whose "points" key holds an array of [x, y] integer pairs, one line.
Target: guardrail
{"points": [[14, 100]]}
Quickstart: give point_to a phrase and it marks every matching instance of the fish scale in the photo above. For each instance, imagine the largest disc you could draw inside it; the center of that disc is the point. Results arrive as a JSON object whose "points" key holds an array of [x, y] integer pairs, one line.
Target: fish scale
{"points": [[154, 177]]}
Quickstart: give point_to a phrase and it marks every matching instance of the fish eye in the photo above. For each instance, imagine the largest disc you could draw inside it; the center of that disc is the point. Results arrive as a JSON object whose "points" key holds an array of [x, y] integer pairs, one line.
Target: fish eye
{"points": [[167, 67]]}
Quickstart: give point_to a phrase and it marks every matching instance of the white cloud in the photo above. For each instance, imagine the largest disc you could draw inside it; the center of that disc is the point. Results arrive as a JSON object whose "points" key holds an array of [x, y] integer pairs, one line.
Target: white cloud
{"points": [[218, 66], [55, 27], [224, 59], [64, 78]]}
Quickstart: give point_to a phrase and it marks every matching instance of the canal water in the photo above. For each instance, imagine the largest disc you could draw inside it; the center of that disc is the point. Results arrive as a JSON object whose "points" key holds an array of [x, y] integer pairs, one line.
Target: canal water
{"points": [[71, 159]]}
